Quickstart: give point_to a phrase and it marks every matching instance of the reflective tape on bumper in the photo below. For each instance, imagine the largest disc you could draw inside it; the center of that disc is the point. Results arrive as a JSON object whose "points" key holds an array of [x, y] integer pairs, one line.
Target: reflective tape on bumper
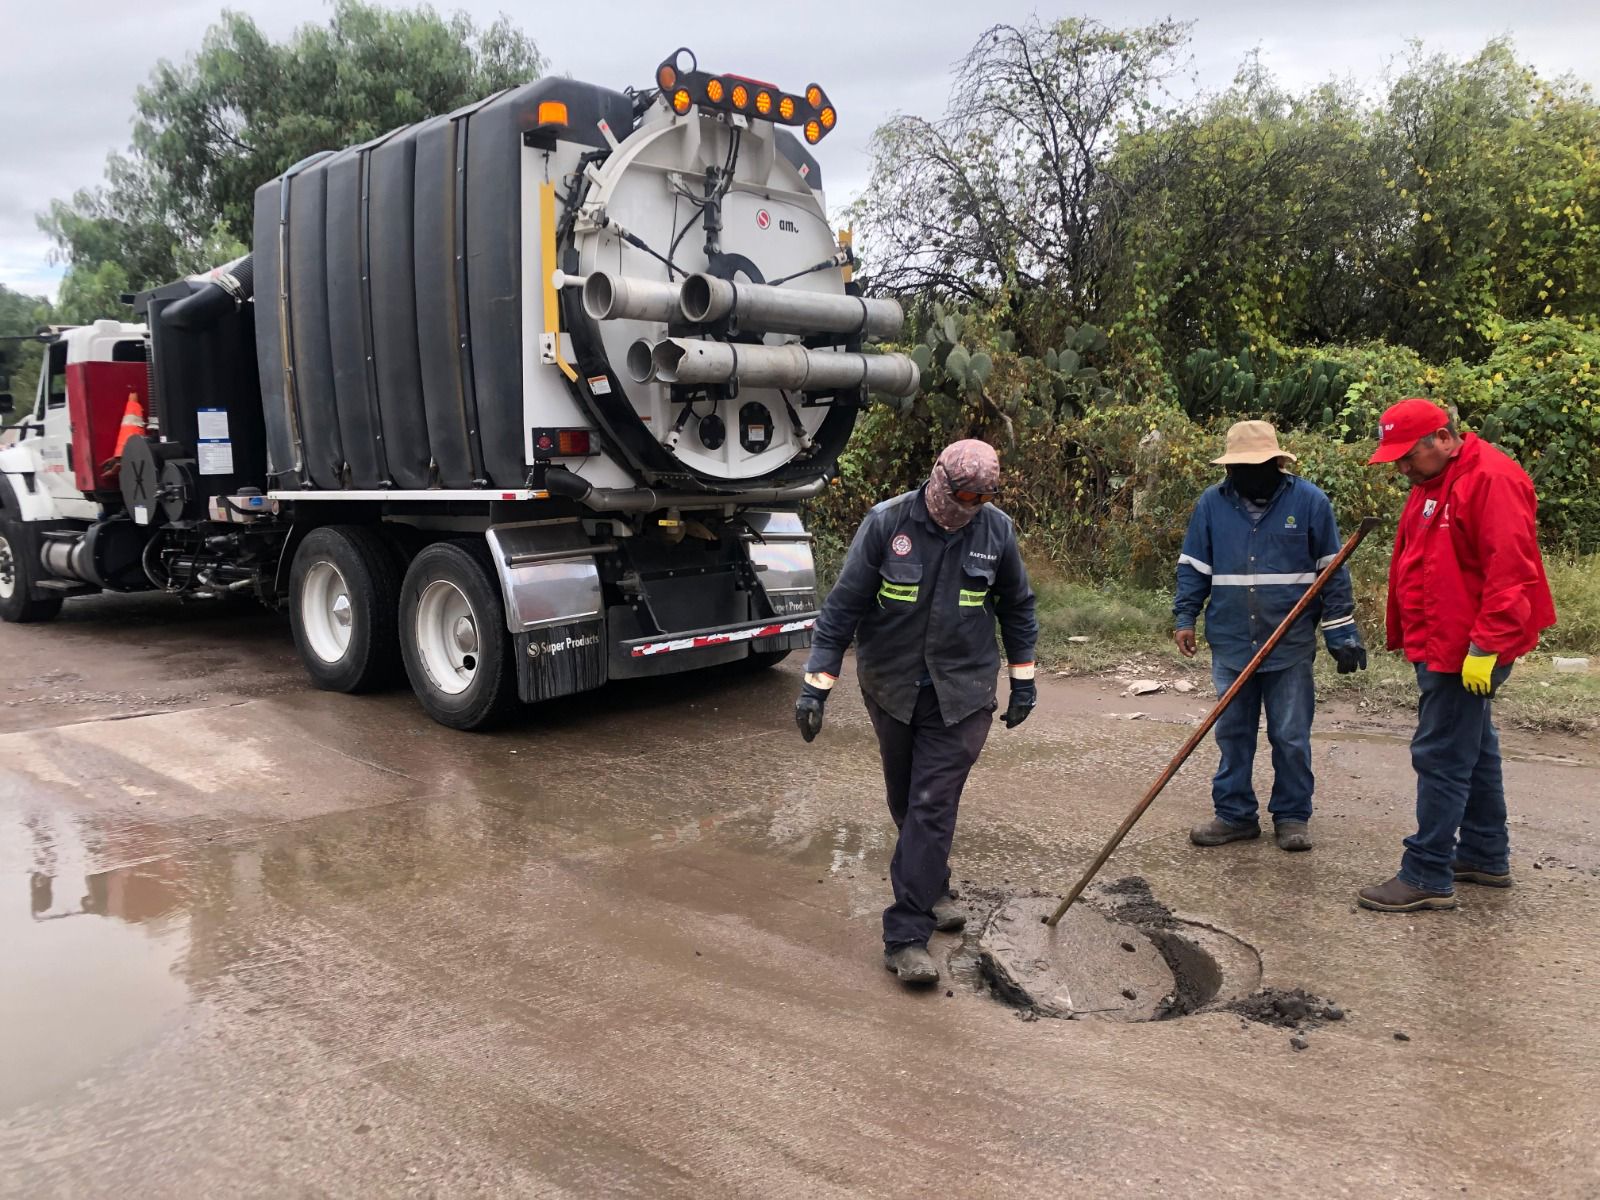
{"points": [[702, 641]]}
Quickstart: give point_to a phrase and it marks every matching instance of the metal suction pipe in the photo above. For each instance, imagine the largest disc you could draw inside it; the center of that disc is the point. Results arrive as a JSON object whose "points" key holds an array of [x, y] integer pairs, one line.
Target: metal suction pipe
{"points": [[608, 297], [641, 361], [774, 310], [692, 361]]}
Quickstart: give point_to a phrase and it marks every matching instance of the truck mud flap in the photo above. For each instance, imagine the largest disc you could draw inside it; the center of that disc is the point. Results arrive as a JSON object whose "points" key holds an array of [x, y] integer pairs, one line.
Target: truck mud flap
{"points": [[559, 660], [554, 609]]}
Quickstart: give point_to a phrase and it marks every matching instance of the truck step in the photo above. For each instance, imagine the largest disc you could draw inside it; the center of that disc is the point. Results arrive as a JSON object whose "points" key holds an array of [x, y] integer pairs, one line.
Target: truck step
{"points": [[67, 587]]}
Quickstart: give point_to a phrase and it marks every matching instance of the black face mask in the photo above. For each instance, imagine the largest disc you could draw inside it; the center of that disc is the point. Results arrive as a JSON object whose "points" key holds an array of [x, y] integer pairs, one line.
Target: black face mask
{"points": [[1256, 481]]}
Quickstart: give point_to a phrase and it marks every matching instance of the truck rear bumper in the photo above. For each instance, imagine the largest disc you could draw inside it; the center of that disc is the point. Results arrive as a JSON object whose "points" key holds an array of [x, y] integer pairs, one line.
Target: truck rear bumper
{"points": [[705, 639]]}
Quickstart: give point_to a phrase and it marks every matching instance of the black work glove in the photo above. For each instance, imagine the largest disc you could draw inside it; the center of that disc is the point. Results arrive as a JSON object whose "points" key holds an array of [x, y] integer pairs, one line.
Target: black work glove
{"points": [[808, 710], [1024, 695], [1351, 657]]}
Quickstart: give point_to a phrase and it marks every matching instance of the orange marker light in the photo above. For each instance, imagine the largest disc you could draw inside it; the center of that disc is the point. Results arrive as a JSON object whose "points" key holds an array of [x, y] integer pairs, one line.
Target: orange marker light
{"points": [[666, 77], [680, 100], [714, 91], [786, 108], [572, 443], [828, 118], [741, 96], [814, 96], [763, 103], [813, 132], [552, 112]]}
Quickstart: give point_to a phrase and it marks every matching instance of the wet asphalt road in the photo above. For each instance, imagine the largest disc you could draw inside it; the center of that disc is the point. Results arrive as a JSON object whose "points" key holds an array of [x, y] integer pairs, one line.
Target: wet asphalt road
{"points": [[260, 940]]}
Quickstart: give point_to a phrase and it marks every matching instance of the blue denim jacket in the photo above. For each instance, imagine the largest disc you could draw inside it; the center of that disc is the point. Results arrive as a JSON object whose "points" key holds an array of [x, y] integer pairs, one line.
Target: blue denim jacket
{"points": [[1253, 572]]}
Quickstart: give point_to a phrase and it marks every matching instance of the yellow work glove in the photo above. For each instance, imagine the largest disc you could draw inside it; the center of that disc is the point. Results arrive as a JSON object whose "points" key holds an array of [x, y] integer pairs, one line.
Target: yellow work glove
{"points": [[1477, 673]]}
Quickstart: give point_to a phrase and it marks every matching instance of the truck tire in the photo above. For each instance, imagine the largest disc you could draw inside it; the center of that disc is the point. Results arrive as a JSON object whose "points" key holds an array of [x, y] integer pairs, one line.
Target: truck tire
{"points": [[18, 572], [344, 600], [453, 636]]}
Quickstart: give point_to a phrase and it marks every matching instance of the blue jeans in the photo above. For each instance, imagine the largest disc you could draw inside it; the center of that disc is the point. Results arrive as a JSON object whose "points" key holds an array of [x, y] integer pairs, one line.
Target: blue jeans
{"points": [[1291, 702], [1456, 754]]}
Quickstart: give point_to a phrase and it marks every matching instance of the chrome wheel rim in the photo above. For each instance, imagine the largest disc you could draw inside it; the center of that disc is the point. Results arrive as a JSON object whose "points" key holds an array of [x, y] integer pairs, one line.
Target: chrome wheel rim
{"points": [[8, 571], [325, 611], [447, 637]]}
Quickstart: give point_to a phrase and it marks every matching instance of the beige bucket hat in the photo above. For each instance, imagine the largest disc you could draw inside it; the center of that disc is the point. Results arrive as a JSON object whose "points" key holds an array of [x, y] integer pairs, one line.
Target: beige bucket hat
{"points": [[1252, 442]]}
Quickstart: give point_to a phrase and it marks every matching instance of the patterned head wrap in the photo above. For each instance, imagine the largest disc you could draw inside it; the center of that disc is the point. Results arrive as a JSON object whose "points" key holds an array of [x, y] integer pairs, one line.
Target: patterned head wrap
{"points": [[964, 466]]}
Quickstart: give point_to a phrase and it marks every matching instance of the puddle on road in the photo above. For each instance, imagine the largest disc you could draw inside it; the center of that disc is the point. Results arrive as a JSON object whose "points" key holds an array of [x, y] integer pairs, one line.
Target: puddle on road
{"points": [[93, 965]]}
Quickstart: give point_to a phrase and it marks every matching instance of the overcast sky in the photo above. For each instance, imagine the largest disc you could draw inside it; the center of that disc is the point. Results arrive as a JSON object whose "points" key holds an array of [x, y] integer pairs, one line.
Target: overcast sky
{"points": [[71, 68]]}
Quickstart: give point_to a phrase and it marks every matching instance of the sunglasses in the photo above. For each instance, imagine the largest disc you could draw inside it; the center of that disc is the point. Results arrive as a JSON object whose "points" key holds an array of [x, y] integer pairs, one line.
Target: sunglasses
{"points": [[973, 497]]}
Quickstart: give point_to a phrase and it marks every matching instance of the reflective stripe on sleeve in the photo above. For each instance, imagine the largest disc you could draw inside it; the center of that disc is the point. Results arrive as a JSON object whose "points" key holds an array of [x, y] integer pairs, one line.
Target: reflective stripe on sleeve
{"points": [[1325, 560], [1338, 622], [821, 679], [1202, 567]]}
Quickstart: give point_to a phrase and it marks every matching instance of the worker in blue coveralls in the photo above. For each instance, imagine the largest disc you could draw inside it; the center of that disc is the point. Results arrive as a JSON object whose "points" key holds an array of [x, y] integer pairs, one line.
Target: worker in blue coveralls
{"points": [[1256, 541]]}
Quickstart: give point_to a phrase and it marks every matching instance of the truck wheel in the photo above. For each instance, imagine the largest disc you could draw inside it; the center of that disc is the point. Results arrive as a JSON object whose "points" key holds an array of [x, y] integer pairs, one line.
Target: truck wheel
{"points": [[453, 636], [344, 598], [17, 573]]}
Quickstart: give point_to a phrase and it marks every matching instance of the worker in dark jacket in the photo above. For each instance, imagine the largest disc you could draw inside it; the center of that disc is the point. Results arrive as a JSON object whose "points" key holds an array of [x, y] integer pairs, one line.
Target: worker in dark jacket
{"points": [[1467, 597], [927, 576], [1256, 541]]}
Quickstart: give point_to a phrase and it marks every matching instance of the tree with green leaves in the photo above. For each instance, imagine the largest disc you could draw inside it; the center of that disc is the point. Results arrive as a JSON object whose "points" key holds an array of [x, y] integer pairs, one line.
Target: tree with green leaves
{"points": [[20, 355], [1311, 255], [211, 130], [1015, 182]]}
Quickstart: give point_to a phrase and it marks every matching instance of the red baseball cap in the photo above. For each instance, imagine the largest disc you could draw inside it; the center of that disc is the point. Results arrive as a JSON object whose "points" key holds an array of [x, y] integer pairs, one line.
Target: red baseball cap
{"points": [[1405, 424]]}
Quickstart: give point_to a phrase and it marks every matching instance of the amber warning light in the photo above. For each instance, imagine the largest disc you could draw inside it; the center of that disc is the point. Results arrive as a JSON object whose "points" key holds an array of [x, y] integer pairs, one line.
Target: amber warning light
{"points": [[562, 443], [685, 86]]}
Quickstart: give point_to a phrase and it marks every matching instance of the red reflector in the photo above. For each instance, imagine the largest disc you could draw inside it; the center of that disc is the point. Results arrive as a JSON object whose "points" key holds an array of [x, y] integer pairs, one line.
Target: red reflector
{"points": [[574, 441], [544, 442]]}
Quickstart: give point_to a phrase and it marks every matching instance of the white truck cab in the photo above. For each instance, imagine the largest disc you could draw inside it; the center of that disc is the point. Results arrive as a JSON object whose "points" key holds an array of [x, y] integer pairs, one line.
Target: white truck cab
{"points": [[54, 467]]}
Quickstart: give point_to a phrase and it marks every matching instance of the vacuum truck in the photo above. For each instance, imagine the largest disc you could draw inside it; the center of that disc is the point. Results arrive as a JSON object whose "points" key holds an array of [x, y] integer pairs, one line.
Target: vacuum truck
{"points": [[514, 401]]}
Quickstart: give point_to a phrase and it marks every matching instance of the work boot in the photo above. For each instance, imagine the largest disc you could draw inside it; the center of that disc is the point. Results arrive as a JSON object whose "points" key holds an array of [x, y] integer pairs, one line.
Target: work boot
{"points": [[947, 917], [1396, 895], [1292, 835], [1467, 873], [912, 964], [1217, 832]]}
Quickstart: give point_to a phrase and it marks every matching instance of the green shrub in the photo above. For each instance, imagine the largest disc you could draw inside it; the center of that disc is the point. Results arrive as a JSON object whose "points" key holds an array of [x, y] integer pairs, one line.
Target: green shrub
{"points": [[1541, 404]]}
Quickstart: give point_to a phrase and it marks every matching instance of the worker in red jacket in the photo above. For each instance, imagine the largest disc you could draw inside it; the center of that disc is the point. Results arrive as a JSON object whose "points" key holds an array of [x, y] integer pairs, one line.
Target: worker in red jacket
{"points": [[1467, 598]]}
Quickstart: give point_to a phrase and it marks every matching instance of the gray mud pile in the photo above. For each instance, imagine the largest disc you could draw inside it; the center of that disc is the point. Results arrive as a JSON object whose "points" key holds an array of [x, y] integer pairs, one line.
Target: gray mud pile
{"points": [[1125, 957], [1087, 965]]}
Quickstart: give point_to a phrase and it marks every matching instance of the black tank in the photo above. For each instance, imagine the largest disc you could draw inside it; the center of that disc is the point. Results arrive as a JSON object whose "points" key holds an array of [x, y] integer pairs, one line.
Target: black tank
{"points": [[388, 299]]}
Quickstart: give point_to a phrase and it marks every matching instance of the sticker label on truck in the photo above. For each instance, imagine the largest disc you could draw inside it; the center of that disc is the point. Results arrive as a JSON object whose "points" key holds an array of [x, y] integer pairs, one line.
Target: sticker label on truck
{"points": [[213, 449]]}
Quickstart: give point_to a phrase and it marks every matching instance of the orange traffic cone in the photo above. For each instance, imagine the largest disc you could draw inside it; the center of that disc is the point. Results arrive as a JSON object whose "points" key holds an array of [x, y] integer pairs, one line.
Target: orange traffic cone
{"points": [[132, 422]]}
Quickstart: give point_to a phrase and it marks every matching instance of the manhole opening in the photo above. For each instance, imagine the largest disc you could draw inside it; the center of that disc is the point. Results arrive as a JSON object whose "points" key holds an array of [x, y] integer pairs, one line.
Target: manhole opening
{"points": [[1122, 956]]}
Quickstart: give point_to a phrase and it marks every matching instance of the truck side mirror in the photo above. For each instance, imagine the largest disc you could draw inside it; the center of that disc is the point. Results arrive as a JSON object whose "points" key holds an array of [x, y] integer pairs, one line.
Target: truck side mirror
{"points": [[7, 404]]}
